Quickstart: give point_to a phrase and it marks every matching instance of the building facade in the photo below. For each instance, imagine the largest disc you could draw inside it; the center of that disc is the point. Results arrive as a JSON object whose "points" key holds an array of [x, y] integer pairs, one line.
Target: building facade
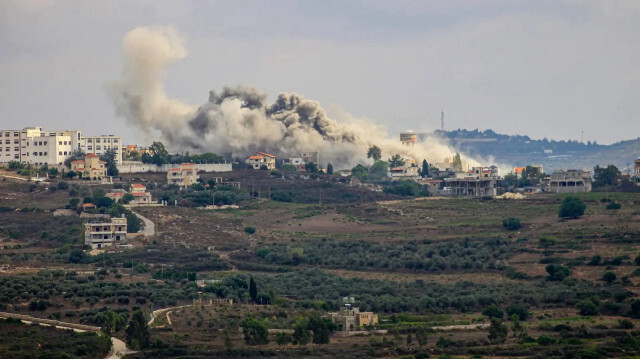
{"points": [[569, 181], [477, 182], [101, 144], [261, 159], [184, 176], [104, 234], [36, 146], [349, 319], [91, 167], [636, 171]]}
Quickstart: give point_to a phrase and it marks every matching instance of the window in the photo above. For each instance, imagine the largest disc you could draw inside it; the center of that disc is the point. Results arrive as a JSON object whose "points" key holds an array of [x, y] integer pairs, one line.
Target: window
{"points": [[16, 157], [89, 140], [45, 153], [0, 149], [59, 153], [16, 134], [35, 153], [16, 148], [65, 142], [8, 149], [65, 153], [106, 237], [97, 148], [6, 134], [60, 143], [7, 142], [40, 153], [115, 140], [16, 142], [90, 148], [45, 143], [97, 140]]}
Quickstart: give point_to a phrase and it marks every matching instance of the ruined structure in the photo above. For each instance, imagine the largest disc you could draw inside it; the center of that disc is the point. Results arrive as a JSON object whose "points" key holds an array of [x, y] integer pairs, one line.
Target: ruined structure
{"points": [[569, 181], [479, 181]]}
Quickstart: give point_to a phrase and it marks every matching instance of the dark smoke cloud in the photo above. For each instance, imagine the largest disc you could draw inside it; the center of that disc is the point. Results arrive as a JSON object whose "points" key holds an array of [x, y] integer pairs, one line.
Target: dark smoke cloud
{"points": [[239, 120]]}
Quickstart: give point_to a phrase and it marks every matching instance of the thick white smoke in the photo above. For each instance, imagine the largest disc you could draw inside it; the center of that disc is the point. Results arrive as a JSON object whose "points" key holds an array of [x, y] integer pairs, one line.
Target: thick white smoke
{"points": [[238, 121]]}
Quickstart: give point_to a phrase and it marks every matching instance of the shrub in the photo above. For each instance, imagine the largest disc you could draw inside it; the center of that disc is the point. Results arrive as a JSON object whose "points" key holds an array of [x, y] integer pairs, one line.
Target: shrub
{"points": [[546, 340], [557, 272], [609, 277], [587, 307], [571, 207], [512, 223], [493, 311], [613, 205], [249, 230], [63, 185], [625, 324]]}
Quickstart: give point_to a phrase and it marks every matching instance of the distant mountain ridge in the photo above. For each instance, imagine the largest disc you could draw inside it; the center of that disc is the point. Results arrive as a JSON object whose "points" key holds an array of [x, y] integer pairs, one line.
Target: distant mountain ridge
{"points": [[520, 150]]}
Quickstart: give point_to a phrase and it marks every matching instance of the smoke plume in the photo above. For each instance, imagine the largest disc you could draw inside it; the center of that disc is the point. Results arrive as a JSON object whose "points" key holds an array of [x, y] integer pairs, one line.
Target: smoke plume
{"points": [[239, 120]]}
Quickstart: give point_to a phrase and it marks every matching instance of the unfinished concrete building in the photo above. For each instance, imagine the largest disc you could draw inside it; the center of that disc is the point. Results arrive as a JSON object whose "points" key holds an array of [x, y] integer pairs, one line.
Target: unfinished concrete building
{"points": [[479, 181], [569, 181]]}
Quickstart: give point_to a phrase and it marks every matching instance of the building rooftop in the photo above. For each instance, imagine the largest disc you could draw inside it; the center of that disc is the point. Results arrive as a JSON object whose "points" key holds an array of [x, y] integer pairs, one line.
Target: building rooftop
{"points": [[91, 155], [266, 154]]}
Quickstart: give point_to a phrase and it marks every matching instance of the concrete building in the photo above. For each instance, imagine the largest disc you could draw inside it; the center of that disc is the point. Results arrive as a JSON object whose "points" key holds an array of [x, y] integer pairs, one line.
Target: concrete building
{"points": [[404, 173], [138, 191], [140, 194], [35, 146], [295, 161], [308, 157], [409, 138], [261, 159], [100, 145], [184, 176], [479, 181], [103, 234], [91, 167], [636, 171], [39, 147], [349, 319], [569, 181]]}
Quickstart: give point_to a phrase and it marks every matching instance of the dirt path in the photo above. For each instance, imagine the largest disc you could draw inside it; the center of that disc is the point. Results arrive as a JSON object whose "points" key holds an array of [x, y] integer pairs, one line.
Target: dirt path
{"points": [[118, 347], [149, 226]]}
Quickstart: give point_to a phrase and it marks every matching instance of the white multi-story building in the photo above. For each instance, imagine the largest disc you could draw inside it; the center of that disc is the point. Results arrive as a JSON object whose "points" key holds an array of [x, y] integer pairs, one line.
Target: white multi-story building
{"points": [[39, 147], [100, 145]]}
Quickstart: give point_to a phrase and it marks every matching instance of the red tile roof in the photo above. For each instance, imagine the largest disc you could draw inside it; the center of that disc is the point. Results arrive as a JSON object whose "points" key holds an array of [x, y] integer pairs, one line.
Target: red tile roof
{"points": [[138, 185], [255, 157], [91, 155], [266, 154], [175, 170], [86, 205]]}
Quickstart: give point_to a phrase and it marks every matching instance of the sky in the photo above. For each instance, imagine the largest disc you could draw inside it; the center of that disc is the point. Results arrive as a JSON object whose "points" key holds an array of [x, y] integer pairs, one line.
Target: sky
{"points": [[541, 68]]}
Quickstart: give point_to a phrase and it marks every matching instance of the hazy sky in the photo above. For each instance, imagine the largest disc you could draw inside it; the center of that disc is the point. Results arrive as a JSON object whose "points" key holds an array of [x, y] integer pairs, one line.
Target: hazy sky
{"points": [[542, 68]]}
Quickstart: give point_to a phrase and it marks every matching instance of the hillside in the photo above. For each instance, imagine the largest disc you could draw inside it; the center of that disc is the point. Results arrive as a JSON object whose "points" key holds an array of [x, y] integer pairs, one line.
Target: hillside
{"points": [[521, 150]]}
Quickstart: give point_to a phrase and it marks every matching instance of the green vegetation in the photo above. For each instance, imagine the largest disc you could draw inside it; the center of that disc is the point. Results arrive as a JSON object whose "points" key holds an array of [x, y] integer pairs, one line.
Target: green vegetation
{"points": [[511, 223], [571, 207], [467, 254]]}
